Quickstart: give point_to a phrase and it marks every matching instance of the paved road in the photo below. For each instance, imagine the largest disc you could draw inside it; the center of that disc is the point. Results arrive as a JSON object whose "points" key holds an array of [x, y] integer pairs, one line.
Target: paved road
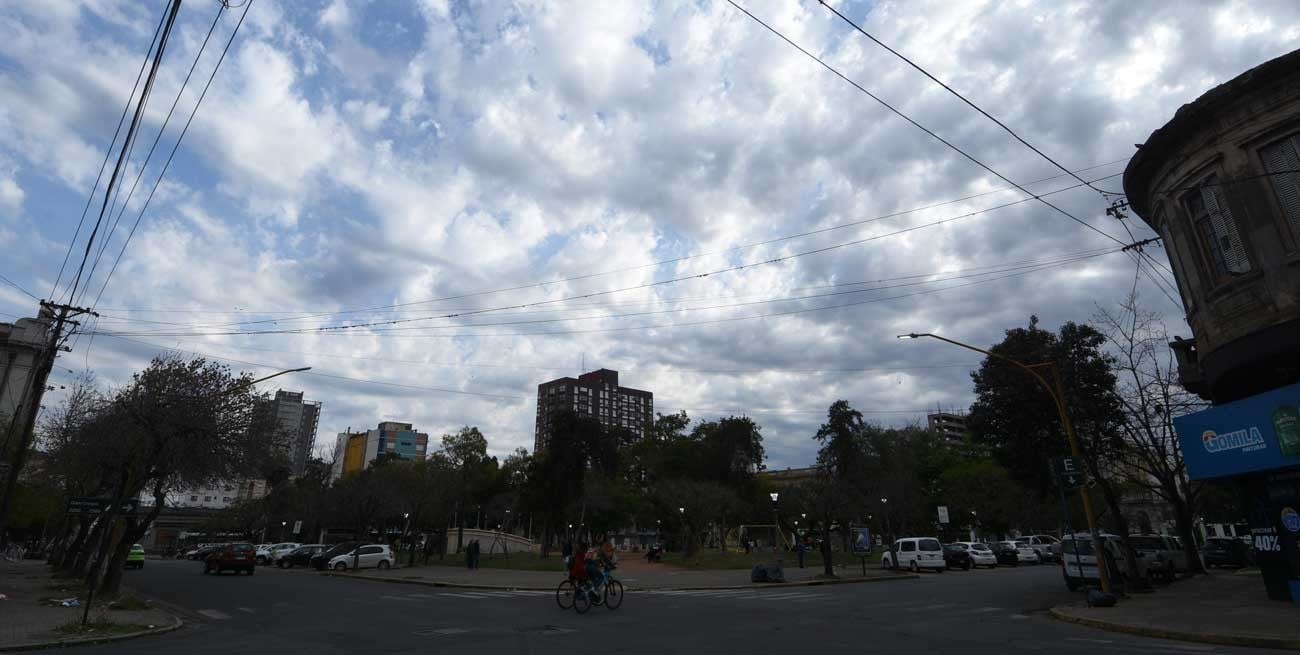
{"points": [[287, 613]]}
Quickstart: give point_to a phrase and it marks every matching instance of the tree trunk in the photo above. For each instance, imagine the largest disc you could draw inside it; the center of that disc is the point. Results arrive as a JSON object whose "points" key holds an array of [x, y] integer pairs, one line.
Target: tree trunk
{"points": [[1121, 528], [1183, 522], [76, 565]]}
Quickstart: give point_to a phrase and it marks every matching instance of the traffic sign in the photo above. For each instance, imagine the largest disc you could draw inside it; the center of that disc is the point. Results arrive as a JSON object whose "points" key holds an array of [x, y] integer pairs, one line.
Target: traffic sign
{"points": [[943, 514], [93, 505], [297, 526], [1070, 472]]}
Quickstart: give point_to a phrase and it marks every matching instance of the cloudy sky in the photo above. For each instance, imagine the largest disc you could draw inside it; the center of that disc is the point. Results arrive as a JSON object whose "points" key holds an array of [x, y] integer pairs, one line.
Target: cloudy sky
{"points": [[363, 162]]}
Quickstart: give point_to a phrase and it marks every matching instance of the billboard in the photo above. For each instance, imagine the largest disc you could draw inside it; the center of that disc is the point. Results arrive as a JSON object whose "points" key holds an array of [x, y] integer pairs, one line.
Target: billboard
{"points": [[1254, 434], [861, 542]]}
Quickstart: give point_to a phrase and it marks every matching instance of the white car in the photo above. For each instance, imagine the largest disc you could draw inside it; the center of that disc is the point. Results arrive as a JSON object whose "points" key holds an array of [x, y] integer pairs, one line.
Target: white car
{"points": [[980, 554], [1026, 553], [1080, 561], [378, 556], [915, 553], [1047, 546]]}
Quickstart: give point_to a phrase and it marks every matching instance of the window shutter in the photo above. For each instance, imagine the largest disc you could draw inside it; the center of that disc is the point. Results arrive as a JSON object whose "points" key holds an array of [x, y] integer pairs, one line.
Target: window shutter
{"points": [[1225, 229], [1284, 157]]}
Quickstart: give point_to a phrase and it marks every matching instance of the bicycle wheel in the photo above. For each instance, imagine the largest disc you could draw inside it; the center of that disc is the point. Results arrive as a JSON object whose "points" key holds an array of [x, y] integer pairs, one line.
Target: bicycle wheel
{"points": [[564, 594], [582, 601], [613, 594]]}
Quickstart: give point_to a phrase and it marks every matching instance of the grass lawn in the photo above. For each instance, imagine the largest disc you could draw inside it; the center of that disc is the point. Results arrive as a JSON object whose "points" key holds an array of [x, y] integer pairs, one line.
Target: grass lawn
{"points": [[737, 559], [98, 627]]}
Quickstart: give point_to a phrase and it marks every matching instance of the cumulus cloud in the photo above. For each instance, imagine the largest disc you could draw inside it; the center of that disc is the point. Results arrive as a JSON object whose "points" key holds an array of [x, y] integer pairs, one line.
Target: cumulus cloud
{"points": [[395, 163]]}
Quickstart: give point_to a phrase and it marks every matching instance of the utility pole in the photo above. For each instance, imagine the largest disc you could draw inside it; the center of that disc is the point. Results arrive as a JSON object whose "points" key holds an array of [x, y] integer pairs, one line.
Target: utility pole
{"points": [[63, 315]]}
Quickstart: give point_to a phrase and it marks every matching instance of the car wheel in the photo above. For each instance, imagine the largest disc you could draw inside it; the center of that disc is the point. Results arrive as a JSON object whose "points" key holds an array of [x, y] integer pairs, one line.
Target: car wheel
{"points": [[966, 566], [915, 568], [280, 564], [340, 567], [383, 564]]}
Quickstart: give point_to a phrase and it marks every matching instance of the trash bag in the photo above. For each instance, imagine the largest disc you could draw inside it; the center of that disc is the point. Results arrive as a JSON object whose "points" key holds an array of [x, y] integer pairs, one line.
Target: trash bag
{"points": [[775, 573], [758, 573], [1098, 598]]}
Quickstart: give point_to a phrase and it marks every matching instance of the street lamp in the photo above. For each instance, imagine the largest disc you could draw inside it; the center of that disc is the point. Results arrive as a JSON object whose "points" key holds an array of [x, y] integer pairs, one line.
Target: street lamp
{"points": [[776, 522], [282, 524], [1057, 392]]}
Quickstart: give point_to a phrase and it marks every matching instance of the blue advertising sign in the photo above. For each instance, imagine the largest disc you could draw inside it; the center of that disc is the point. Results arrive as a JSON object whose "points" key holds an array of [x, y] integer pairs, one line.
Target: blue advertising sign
{"points": [[1258, 433], [861, 542]]}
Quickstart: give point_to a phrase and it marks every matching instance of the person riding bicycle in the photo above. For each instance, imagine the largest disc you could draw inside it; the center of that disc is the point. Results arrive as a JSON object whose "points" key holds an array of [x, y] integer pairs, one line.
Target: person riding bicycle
{"points": [[585, 568]]}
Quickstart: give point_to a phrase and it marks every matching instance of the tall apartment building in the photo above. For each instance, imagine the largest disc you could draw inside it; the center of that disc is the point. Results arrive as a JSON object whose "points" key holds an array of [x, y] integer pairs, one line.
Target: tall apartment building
{"points": [[597, 395], [354, 451], [951, 426], [297, 420]]}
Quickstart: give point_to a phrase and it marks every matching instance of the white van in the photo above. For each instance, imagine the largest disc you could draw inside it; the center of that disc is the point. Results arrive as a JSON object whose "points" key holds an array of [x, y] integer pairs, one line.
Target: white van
{"points": [[915, 553]]}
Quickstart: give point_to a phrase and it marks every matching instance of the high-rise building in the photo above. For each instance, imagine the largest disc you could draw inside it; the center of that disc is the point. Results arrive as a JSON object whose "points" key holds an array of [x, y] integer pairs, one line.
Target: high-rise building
{"points": [[951, 426], [354, 451], [597, 395], [296, 419]]}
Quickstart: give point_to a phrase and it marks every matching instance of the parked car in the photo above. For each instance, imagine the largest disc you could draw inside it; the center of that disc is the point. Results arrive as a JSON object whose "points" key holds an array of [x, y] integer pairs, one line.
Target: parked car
{"points": [[1161, 555], [231, 557], [321, 562], [915, 553], [201, 553], [1080, 560], [274, 551], [1225, 551], [1006, 553], [364, 557], [1045, 545], [956, 557], [980, 554], [1026, 553], [300, 556], [135, 557]]}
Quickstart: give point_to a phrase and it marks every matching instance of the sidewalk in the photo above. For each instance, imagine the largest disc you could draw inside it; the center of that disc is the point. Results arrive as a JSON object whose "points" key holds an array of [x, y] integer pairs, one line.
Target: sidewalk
{"points": [[1221, 608], [635, 573], [28, 622]]}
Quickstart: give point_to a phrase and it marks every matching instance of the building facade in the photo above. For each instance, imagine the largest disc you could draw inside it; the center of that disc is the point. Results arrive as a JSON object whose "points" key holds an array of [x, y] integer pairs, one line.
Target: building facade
{"points": [[296, 421], [596, 395], [354, 451], [1210, 184], [21, 345], [951, 426], [1220, 184]]}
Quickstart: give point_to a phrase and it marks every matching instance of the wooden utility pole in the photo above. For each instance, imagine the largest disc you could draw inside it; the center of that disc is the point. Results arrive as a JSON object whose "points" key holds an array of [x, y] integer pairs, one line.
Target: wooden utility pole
{"points": [[31, 404]]}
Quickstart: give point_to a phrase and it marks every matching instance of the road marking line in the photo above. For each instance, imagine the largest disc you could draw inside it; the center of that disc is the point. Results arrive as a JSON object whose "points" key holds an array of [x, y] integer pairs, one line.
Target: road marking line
{"points": [[1019, 617], [214, 614], [245, 609], [396, 598], [1091, 641], [421, 595], [460, 595], [788, 596], [984, 610], [441, 631]]}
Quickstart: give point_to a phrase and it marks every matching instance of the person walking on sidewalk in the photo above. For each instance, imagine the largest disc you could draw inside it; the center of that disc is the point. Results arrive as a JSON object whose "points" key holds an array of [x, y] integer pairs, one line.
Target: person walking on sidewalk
{"points": [[803, 549], [473, 554]]}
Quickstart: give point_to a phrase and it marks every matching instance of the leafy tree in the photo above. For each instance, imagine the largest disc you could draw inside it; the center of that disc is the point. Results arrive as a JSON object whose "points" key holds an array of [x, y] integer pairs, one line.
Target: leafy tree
{"points": [[465, 451]]}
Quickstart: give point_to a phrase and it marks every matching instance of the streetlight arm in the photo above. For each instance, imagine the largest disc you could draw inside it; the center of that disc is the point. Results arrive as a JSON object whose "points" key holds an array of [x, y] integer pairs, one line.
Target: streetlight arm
{"points": [[1027, 367]]}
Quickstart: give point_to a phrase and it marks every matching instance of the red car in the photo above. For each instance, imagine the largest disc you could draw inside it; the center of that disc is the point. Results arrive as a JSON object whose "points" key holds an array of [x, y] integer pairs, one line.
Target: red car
{"points": [[231, 557]]}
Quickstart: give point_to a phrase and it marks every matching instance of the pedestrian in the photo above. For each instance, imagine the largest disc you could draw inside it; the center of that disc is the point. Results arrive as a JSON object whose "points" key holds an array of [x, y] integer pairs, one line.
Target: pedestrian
{"points": [[747, 548], [475, 551], [566, 553], [469, 555], [803, 549]]}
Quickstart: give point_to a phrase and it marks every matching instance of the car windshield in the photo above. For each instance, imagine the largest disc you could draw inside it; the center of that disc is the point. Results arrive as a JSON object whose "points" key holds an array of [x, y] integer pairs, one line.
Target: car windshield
{"points": [[1076, 547], [979, 547], [929, 544], [242, 548]]}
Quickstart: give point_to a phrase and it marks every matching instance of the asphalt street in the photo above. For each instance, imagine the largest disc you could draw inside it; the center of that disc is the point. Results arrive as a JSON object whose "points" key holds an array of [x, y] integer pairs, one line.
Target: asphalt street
{"points": [[289, 612]]}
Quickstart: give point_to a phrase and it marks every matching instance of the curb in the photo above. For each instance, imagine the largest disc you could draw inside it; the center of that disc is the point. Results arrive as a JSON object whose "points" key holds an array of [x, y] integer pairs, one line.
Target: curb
{"points": [[85, 641], [486, 587], [1178, 635]]}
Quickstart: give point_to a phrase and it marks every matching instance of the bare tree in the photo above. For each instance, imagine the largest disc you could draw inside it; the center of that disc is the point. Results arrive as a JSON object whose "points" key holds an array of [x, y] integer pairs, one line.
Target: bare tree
{"points": [[1151, 398]]}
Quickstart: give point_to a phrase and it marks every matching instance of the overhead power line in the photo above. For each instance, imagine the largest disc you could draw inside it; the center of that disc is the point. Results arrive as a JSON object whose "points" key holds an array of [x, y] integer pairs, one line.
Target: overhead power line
{"points": [[309, 314], [921, 127], [248, 4], [18, 287], [636, 327], [570, 307], [392, 322], [152, 147], [127, 140], [327, 375], [973, 105], [108, 154]]}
